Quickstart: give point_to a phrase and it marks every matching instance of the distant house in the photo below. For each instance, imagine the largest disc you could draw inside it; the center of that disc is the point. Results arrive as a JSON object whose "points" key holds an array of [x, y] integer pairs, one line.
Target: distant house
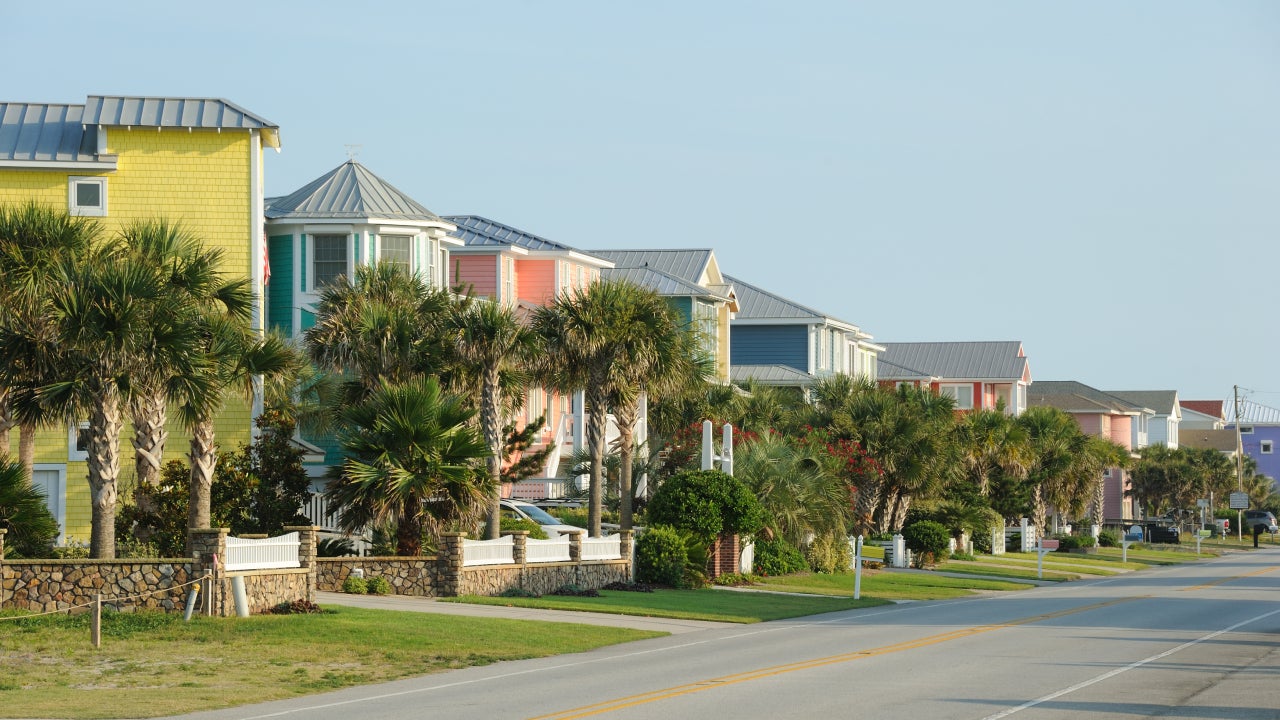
{"points": [[777, 341], [1202, 415], [122, 159], [1104, 415], [1164, 423], [1259, 434], [692, 282], [977, 375]]}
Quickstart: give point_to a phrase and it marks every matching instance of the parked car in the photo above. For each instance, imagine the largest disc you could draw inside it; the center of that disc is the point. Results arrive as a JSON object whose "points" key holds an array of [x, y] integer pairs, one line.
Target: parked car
{"points": [[551, 525], [1163, 534], [1253, 518]]}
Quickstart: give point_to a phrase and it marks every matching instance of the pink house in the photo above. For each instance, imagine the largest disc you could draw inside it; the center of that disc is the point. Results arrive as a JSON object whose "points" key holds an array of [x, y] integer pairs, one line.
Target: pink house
{"points": [[977, 375]]}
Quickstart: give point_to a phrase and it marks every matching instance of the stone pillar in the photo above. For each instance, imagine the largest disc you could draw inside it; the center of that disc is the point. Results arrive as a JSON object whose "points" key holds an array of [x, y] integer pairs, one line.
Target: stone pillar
{"points": [[2, 533], [450, 563], [307, 555], [575, 546], [626, 546], [519, 550], [208, 550]]}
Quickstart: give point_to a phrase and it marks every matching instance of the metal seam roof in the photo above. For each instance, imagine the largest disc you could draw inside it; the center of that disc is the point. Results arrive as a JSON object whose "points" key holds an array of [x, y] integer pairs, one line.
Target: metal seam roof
{"points": [[170, 112], [349, 191], [969, 360], [687, 264], [478, 231], [45, 133], [755, 302]]}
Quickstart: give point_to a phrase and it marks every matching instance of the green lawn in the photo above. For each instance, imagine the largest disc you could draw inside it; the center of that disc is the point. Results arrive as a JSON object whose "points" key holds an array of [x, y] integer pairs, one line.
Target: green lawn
{"points": [[888, 585], [1062, 563], [993, 570], [708, 604], [152, 664]]}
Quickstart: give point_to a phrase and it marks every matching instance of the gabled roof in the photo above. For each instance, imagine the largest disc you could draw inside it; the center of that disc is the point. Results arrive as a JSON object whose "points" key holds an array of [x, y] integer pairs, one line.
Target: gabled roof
{"points": [[771, 375], [756, 303], [889, 370], [685, 264], [1220, 440], [481, 233], [659, 282], [122, 110], [1164, 402], [349, 192], [41, 132], [1212, 408], [1253, 413], [1076, 397], [959, 360]]}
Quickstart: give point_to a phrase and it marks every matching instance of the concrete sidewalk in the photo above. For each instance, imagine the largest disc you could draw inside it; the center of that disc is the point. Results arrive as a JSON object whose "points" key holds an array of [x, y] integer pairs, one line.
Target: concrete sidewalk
{"points": [[407, 603]]}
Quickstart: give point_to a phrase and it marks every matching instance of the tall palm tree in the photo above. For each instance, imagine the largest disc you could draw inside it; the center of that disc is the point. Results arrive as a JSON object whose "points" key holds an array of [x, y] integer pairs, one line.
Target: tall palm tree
{"points": [[192, 273], [991, 440], [1056, 442], [492, 341], [801, 496], [412, 458], [34, 238]]}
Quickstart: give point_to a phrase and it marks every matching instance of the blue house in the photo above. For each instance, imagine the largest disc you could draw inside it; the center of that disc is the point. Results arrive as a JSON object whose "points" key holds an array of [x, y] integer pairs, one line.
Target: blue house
{"points": [[777, 341]]}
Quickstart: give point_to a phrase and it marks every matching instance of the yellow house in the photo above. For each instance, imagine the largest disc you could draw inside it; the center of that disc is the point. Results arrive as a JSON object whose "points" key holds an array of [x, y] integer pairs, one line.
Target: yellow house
{"points": [[193, 160]]}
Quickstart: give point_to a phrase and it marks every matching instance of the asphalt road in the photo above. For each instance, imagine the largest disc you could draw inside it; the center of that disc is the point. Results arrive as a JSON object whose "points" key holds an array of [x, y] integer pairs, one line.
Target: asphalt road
{"points": [[1192, 641]]}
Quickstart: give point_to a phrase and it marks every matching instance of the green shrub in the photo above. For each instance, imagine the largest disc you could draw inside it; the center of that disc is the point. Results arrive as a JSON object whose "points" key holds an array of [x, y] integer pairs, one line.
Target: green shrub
{"points": [[1108, 538], [930, 541], [377, 586], [735, 579], [982, 542], [535, 530], [355, 585], [778, 557], [661, 556], [829, 554], [706, 503], [963, 556], [518, 592], [335, 547]]}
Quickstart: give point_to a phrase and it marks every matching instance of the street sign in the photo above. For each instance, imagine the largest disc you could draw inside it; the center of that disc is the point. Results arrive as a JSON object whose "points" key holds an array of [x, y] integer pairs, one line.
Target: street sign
{"points": [[1202, 503], [1206, 533], [1049, 544], [1239, 501]]}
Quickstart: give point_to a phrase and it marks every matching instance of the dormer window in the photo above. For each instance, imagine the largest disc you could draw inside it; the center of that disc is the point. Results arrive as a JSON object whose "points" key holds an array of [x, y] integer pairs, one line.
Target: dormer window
{"points": [[87, 196]]}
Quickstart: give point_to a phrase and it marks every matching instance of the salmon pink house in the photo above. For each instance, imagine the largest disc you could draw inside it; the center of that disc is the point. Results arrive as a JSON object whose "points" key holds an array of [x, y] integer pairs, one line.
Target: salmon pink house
{"points": [[977, 375]]}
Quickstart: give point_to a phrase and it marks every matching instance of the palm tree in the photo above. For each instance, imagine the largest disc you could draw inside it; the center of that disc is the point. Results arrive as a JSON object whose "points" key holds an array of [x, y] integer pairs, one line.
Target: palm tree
{"points": [[192, 273], [991, 440], [492, 342], [412, 455], [1056, 443], [34, 238], [801, 496]]}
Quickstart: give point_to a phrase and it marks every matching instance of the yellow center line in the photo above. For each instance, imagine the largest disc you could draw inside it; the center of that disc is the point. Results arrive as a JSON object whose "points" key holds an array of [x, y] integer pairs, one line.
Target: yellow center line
{"points": [[1229, 579], [699, 686]]}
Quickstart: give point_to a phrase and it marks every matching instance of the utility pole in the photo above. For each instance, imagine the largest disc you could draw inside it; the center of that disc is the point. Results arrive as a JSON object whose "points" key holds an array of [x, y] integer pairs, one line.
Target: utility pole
{"points": [[1239, 460]]}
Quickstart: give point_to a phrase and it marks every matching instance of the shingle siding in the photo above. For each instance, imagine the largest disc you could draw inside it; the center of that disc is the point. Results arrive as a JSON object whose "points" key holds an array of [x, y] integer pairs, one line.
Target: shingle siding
{"points": [[771, 345]]}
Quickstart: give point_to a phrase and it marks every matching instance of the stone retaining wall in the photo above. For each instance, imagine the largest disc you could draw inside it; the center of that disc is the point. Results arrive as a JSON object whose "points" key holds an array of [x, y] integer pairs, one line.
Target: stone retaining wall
{"points": [[542, 578], [264, 589], [407, 576], [49, 585]]}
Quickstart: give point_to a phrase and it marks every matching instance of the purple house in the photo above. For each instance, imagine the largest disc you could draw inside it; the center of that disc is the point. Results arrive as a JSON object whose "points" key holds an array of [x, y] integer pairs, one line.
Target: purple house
{"points": [[1259, 434]]}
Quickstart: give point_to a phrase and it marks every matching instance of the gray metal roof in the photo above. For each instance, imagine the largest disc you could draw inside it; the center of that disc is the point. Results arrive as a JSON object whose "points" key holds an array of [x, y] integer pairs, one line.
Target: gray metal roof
{"points": [[170, 112], [45, 133], [756, 303], [685, 264], [659, 282], [1162, 401], [771, 375], [888, 370], [349, 192], [1252, 413], [477, 231], [962, 360], [1072, 396]]}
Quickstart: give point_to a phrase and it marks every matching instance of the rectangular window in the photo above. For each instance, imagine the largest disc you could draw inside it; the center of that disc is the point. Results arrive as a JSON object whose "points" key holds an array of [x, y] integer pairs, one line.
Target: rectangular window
{"points": [[962, 394], [536, 404], [509, 280], [433, 262], [330, 259], [1246, 429], [77, 443], [87, 196], [397, 250], [1267, 447]]}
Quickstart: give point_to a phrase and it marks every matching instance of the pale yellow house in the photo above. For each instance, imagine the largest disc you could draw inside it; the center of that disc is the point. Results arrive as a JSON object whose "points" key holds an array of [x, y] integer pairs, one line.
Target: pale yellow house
{"points": [[198, 161]]}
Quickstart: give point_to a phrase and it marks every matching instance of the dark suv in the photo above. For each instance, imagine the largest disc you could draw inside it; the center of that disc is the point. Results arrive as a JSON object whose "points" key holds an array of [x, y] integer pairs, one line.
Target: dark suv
{"points": [[1163, 534], [1253, 518]]}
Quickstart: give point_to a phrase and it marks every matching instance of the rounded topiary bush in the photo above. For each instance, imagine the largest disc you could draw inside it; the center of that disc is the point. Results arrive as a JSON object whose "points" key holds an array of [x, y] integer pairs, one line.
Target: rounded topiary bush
{"points": [[706, 503], [661, 556], [778, 557], [1108, 538], [930, 541], [377, 586], [829, 554], [355, 585]]}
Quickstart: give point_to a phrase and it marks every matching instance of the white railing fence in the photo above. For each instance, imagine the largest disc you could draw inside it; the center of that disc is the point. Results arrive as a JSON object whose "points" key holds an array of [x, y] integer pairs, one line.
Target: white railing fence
{"points": [[262, 554], [488, 552], [536, 551], [602, 548]]}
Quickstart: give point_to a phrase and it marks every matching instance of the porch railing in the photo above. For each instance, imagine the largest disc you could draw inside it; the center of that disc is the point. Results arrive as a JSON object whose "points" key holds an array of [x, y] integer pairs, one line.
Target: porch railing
{"points": [[488, 552]]}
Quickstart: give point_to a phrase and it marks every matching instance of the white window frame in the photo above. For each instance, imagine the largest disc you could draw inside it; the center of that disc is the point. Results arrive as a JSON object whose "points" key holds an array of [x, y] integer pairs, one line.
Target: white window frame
{"points": [[508, 280], [1246, 429], [962, 393], [57, 500], [75, 208], [313, 277], [408, 239], [537, 406], [74, 453], [1267, 447]]}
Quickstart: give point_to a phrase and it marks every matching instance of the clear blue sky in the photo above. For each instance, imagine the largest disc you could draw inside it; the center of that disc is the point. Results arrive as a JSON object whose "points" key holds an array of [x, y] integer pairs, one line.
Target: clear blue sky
{"points": [[1096, 179]]}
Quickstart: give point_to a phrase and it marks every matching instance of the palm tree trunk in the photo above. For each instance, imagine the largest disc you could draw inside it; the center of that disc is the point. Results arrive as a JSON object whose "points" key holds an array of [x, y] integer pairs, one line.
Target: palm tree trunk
{"points": [[597, 426], [491, 425], [6, 420], [1039, 510], [867, 499], [1099, 501], [149, 413], [626, 420], [409, 529], [900, 507], [203, 458], [27, 446], [104, 471]]}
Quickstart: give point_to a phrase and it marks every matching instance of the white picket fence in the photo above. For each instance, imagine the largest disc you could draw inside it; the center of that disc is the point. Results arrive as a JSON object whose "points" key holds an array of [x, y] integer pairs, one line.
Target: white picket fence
{"points": [[489, 552], [262, 553], [602, 548], [536, 551]]}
